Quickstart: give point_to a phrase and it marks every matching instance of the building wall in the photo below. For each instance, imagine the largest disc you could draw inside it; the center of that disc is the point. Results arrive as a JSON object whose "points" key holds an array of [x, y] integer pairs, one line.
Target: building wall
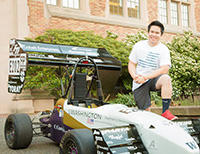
{"points": [[30, 18], [14, 24], [197, 14]]}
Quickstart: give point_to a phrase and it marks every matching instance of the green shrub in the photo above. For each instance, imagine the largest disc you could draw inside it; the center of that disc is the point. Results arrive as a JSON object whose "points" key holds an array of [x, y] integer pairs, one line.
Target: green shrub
{"points": [[126, 99], [185, 56], [47, 78], [185, 70]]}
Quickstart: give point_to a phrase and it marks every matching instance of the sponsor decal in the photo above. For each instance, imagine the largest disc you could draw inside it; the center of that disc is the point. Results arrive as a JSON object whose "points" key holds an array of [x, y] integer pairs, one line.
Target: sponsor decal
{"points": [[17, 64], [102, 148], [98, 138], [85, 114], [84, 51], [113, 119], [100, 152], [196, 139], [166, 123], [130, 139], [61, 113], [59, 128], [39, 48], [115, 130], [191, 145], [121, 140], [152, 144], [186, 125], [96, 132], [37, 55], [17, 67], [132, 148], [14, 48], [126, 111], [14, 88], [115, 137], [105, 122], [109, 142], [22, 76]]}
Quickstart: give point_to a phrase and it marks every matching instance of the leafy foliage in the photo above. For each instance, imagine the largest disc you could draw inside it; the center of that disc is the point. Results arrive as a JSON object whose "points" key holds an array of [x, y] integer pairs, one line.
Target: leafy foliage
{"points": [[87, 39], [185, 56], [185, 70], [47, 79], [126, 99], [130, 41]]}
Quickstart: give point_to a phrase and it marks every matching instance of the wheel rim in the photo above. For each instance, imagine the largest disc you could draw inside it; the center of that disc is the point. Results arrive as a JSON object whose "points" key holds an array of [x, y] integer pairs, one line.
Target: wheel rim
{"points": [[71, 147], [10, 133]]}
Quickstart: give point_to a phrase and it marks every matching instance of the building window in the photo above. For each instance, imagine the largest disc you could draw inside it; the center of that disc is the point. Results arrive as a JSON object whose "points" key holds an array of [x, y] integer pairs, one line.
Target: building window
{"points": [[75, 4], [117, 12], [133, 8], [116, 7], [175, 12], [163, 11], [185, 15], [126, 8], [51, 2]]}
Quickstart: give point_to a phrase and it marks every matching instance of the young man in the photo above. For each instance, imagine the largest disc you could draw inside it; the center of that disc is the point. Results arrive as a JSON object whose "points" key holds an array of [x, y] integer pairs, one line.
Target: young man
{"points": [[149, 63]]}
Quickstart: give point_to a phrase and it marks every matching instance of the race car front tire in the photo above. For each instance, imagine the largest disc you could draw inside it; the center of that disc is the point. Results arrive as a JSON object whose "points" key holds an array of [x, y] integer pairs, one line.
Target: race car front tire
{"points": [[18, 131], [77, 141]]}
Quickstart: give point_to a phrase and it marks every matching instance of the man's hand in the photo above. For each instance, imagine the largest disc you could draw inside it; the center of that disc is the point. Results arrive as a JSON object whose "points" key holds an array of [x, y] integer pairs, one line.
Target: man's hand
{"points": [[139, 79]]}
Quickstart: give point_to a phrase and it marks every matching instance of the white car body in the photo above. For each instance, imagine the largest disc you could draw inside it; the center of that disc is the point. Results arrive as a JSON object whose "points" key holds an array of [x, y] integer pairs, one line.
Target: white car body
{"points": [[159, 135]]}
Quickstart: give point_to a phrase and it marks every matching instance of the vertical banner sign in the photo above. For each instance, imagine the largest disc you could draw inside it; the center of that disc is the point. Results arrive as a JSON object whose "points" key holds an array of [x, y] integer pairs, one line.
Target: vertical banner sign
{"points": [[17, 67]]}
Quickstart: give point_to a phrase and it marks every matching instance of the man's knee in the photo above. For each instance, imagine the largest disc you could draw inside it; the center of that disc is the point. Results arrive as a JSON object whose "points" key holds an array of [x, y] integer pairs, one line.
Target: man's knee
{"points": [[165, 79]]}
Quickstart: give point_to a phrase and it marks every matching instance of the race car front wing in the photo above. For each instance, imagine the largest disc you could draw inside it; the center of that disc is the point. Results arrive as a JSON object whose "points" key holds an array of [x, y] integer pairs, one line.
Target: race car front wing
{"points": [[192, 127], [118, 140]]}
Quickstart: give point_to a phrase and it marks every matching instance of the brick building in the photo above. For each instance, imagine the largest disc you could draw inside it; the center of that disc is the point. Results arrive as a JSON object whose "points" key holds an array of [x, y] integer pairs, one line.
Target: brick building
{"points": [[29, 18]]}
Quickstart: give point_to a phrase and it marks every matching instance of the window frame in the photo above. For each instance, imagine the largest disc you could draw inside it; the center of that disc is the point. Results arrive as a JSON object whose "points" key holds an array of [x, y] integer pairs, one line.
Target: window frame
{"points": [[125, 10], [50, 3], [84, 14], [191, 15], [124, 20], [162, 9], [79, 6], [61, 11]]}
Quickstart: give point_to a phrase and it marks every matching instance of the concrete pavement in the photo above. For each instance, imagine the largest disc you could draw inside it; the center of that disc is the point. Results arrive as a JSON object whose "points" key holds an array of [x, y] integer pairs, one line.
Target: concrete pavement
{"points": [[39, 145]]}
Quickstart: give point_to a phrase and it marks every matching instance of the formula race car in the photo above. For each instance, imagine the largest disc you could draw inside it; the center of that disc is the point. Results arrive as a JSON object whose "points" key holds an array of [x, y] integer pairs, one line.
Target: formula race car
{"points": [[85, 124]]}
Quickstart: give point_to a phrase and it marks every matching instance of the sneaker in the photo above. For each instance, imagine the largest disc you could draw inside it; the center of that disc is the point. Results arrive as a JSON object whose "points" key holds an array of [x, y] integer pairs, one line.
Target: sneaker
{"points": [[167, 114]]}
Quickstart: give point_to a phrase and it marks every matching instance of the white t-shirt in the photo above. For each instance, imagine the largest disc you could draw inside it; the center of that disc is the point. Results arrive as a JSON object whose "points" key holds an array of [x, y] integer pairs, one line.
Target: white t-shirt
{"points": [[148, 58]]}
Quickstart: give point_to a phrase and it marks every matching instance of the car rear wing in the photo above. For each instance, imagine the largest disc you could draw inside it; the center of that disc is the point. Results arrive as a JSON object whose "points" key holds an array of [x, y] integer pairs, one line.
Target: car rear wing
{"points": [[24, 53]]}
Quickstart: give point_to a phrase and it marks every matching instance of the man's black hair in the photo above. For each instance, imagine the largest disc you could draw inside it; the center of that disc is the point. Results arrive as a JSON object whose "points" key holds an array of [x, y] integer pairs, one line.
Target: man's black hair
{"points": [[157, 23]]}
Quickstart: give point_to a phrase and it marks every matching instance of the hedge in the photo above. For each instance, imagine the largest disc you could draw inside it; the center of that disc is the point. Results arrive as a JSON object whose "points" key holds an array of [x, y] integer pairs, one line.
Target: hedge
{"points": [[185, 55]]}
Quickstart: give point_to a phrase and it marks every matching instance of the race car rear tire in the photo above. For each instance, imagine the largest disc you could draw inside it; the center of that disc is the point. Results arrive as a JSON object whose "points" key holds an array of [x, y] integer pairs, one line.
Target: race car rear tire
{"points": [[77, 141], [18, 131]]}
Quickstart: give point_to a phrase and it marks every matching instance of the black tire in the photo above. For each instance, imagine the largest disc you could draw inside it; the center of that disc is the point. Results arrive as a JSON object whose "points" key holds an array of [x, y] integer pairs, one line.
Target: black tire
{"points": [[77, 141], [18, 131]]}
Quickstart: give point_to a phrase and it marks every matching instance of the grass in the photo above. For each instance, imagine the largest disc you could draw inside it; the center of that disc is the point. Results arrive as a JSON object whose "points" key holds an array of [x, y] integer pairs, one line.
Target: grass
{"points": [[128, 100], [187, 102], [184, 102]]}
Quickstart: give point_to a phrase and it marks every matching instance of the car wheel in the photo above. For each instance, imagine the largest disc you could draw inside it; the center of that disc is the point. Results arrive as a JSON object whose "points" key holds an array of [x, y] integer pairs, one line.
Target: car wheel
{"points": [[77, 141], [18, 131]]}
